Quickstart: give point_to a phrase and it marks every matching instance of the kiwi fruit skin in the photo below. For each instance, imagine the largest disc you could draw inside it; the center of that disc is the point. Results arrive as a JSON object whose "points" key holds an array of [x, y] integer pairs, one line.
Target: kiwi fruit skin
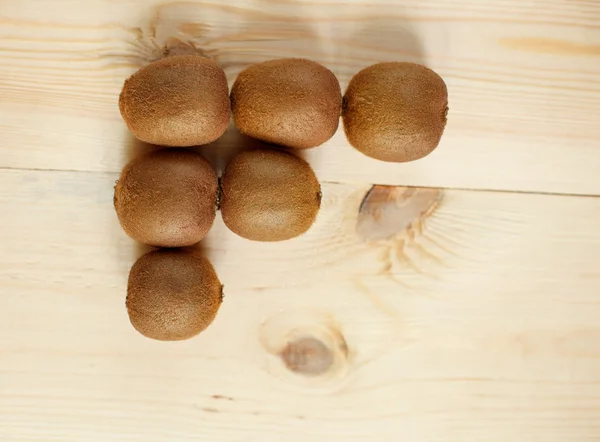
{"points": [[269, 195], [167, 198], [180, 100], [290, 102], [172, 294], [395, 111]]}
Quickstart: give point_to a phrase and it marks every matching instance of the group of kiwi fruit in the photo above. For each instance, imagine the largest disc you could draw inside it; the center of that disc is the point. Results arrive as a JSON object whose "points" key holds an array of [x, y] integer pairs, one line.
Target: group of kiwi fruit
{"points": [[168, 198]]}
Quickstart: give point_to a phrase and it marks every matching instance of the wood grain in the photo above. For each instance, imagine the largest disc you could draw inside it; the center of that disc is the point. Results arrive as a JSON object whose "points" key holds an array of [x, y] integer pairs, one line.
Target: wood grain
{"points": [[476, 320], [451, 311], [522, 75]]}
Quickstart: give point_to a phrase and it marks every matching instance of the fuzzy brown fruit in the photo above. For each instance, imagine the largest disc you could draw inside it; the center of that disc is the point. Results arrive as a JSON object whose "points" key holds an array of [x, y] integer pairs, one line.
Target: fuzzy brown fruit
{"points": [[269, 195], [180, 100], [395, 111], [290, 102], [172, 294], [167, 198]]}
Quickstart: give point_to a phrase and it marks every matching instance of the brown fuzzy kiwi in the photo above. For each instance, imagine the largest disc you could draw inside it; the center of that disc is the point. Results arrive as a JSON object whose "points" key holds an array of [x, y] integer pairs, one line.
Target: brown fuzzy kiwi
{"points": [[290, 102], [180, 100], [172, 294], [395, 111], [269, 195], [167, 198]]}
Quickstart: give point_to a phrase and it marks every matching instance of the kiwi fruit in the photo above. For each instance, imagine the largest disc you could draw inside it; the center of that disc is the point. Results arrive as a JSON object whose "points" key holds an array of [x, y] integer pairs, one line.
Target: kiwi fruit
{"points": [[181, 100], [395, 111], [291, 102], [269, 195], [172, 294], [167, 198]]}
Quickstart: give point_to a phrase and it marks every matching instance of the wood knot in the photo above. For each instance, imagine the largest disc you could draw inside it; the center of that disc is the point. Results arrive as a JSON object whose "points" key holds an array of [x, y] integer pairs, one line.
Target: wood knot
{"points": [[307, 356], [307, 345], [175, 46], [388, 211]]}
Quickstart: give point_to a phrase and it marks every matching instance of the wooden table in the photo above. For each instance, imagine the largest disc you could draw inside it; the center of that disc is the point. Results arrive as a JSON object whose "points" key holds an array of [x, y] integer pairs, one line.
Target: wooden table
{"points": [[463, 308]]}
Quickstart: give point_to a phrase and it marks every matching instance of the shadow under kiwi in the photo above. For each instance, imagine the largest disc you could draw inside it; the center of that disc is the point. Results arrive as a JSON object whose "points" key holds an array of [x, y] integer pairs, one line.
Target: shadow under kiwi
{"points": [[234, 38], [380, 35], [220, 152], [135, 148]]}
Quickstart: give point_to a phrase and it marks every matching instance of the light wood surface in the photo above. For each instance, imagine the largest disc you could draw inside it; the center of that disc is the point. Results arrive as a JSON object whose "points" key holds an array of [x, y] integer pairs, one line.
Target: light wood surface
{"points": [[523, 79], [465, 309]]}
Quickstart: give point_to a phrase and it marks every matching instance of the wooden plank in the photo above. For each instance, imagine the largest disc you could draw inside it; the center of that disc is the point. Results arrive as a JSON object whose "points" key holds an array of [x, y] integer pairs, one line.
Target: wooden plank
{"points": [[476, 320], [522, 75]]}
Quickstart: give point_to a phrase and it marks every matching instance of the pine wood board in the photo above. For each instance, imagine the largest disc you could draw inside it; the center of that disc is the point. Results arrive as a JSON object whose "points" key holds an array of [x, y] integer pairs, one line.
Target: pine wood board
{"points": [[522, 77], [476, 320], [465, 308]]}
